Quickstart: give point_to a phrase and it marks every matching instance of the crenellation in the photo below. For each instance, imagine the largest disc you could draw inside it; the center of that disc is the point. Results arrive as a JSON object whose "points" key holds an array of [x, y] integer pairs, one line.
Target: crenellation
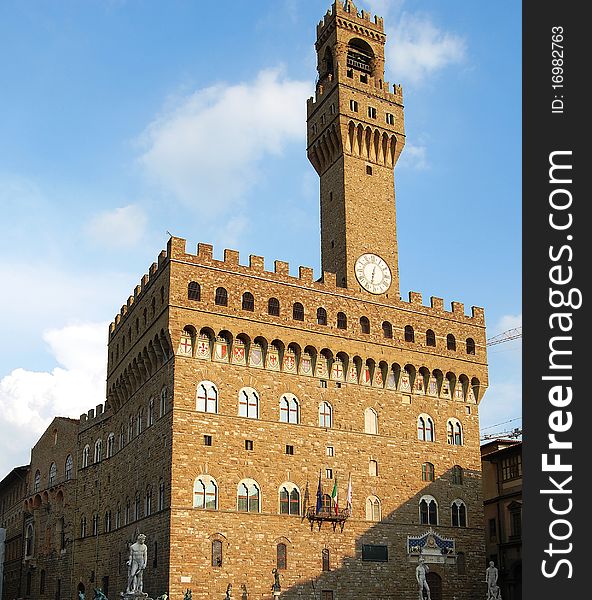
{"points": [[144, 281], [329, 280], [137, 291], [458, 308], [205, 251], [257, 263], [437, 303], [281, 268], [152, 270], [478, 314], [231, 257], [130, 301], [415, 298], [305, 274]]}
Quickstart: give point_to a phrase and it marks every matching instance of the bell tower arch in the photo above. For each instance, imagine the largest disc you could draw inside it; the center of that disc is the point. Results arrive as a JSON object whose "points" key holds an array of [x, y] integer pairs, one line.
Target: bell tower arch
{"points": [[355, 136]]}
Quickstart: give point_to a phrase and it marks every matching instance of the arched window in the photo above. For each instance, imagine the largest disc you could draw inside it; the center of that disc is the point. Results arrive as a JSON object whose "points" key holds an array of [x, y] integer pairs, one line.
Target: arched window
{"points": [[372, 509], [163, 401], [282, 557], [341, 320], [450, 342], [151, 411], [370, 421], [248, 301], [248, 403], [459, 513], [128, 511], [409, 334], [457, 475], [387, 330], [461, 563], [289, 409], [68, 468], [217, 559], [321, 316], [373, 468], [29, 537], [37, 481], [148, 501], [205, 493], [85, 456], [121, 436], [95, 524], [430, 338], [130, 428], [425, 428], [289, 499], [273, 307], [161, 495], [107, 521], [207, 397], [139, 420], [427, 471], [221, 296], [248, 496], [137, 506], [454, 432], [325, 415], [53, 473], [118, 516], [110, 445], [470, 346], [298, 312], [325, 559], [428, 510], [82, 526], [364, 325]]}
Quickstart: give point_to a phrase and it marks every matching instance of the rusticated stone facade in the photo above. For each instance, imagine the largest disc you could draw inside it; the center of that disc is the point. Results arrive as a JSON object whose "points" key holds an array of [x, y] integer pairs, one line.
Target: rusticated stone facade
{"points": [[233, 391]]}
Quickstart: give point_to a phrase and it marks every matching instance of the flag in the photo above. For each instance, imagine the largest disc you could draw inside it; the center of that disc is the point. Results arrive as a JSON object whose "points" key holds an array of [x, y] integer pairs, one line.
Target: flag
{"points": [[335, 497], [319, 496], [349, 494], [306, 499]]}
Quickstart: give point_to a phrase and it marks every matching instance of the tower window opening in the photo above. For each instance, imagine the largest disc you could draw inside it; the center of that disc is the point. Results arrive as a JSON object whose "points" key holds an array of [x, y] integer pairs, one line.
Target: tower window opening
{"points": [[372, 112], [350, 73], [364, 78], [353, 106], [368, 170], [390, 119], [360, 56], [332, 108]]}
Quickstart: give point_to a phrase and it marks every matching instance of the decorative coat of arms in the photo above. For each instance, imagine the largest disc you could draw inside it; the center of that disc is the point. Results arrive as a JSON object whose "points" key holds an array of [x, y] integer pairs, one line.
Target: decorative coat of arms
{"points": [[459, 392], [238, 353], [185, 345], [221, 350], [203, 347], [273, 359], [405, 383], [366, 377], [321, 368], [337, 372], [432, 386], [445, 391], [391, 381], [306, 364], [418, 386], [256, 356], [289, 361], [352, 373], [378, 379]]}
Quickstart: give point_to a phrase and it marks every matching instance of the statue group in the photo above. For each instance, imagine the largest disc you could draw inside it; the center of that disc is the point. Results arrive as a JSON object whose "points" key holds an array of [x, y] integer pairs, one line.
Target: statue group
{"points": [[493, 590]]}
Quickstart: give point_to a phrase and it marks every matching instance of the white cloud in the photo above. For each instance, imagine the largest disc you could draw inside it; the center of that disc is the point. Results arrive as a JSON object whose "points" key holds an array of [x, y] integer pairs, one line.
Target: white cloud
{"points": [[206, 150], [508, 322], [29, 400], [418, 48], [120, 227], [413, 157]]}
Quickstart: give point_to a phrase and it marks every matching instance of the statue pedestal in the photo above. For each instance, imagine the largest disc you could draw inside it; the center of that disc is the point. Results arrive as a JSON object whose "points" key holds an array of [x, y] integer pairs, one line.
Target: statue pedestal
{"points": [[134, 596], [276, 594]]}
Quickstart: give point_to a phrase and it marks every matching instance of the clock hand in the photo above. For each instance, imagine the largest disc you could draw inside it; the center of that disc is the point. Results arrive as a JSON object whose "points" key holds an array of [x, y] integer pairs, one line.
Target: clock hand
{"points": [[373, 273]]}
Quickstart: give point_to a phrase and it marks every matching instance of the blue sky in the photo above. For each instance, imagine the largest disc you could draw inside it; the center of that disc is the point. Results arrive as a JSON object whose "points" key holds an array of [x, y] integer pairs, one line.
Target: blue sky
{"points": [[121, 120]]}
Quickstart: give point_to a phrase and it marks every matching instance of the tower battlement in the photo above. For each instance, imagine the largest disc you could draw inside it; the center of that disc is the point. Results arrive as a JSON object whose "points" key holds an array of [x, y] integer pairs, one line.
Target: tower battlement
{"points": [[348, 11], [326, 283]]}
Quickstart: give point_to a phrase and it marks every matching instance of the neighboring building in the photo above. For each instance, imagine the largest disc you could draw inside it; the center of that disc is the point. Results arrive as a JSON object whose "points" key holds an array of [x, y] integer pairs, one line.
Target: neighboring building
{"points": [[49, 505], [12, 491], [502, 496], [234, 393]]}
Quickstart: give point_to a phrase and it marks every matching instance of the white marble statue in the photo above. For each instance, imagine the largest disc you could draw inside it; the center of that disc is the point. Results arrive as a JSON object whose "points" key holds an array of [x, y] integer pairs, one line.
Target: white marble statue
{"points": [[138, 557], [491, 575], [421, 575]]}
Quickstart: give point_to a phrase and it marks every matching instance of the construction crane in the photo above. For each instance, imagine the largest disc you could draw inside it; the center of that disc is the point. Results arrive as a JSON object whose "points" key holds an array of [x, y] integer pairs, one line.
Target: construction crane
{"points": [[506, 336]]}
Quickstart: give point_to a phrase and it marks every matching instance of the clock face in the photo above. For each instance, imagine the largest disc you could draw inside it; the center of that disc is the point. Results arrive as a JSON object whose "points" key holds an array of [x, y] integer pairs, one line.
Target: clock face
{"points": [[373, 273]]}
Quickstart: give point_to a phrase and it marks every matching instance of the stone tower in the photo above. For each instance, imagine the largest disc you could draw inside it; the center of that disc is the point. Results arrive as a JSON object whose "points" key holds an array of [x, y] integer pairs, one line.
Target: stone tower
{"points": [[355, 136]]}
